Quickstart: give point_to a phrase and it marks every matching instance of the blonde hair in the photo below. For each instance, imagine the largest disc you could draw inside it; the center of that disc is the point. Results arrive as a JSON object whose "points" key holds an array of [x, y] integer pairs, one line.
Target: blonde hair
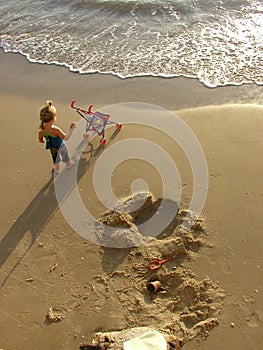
{"points": [[47, 113]]}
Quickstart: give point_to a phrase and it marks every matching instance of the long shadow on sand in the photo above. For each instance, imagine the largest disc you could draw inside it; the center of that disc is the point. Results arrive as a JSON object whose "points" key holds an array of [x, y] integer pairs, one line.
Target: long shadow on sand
{"points": [[42, 208]]}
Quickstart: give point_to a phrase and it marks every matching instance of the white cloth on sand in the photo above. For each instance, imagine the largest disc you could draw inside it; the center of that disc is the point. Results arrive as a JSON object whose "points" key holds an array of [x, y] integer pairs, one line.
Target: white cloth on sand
{"points": [[147, 341]]}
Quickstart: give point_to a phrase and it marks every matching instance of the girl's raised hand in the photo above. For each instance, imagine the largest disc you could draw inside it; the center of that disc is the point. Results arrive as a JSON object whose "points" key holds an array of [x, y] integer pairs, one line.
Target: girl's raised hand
{"points": [[73, 125]]}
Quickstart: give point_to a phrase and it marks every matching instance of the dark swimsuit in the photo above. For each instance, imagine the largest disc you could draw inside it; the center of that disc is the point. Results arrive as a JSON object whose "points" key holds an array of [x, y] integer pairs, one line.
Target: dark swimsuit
{"points": [[57, 148]]}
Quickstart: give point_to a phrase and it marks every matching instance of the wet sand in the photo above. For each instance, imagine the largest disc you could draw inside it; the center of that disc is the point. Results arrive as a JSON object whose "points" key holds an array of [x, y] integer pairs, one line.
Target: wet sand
{"points": [[46, 264]]}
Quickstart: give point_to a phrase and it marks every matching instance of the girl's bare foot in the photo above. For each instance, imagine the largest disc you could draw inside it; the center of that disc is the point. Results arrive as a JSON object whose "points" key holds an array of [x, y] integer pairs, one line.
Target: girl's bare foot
{"points": [[70, 164], [56, 168]]}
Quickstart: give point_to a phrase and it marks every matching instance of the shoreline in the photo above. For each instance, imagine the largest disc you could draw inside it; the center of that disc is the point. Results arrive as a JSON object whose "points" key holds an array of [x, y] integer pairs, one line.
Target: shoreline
{"points": [[129, 77], [107, 89], [45, 263]]}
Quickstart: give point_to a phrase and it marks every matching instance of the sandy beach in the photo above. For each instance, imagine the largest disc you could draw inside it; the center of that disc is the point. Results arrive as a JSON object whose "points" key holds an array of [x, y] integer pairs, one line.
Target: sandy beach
{"points": [[49, 269]]}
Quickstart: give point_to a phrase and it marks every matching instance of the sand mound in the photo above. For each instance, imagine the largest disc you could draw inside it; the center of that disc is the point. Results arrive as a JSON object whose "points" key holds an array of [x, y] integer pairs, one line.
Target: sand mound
{"points": [[127, 217], [182, 306]]}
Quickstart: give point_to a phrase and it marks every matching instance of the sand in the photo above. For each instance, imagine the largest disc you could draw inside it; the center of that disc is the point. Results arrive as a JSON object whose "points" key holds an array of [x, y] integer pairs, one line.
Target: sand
{"points": [[58, 289]]}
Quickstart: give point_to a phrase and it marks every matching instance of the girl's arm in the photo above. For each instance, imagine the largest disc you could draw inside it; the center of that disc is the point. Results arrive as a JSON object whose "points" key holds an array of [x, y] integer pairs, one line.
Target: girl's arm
{"points": [[41, 136], [71, 128], [59, 133], [64, 136]]}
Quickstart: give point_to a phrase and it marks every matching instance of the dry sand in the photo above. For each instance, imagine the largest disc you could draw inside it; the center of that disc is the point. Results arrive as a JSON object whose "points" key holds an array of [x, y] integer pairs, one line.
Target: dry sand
{"points": [[212, 296]]}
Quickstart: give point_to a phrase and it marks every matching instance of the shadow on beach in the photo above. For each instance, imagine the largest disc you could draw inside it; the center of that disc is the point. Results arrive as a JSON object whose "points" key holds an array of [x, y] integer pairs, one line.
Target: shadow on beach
{"points": [[45, 204]]}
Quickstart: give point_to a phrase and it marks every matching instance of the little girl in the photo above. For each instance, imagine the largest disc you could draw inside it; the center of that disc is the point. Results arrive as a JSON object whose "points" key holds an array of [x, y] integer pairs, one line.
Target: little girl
{"points": [[54, 136]]}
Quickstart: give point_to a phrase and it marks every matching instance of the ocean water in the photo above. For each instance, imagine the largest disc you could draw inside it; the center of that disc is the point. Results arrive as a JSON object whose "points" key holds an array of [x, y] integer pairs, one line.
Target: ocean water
{"points": [[218, 42]]}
